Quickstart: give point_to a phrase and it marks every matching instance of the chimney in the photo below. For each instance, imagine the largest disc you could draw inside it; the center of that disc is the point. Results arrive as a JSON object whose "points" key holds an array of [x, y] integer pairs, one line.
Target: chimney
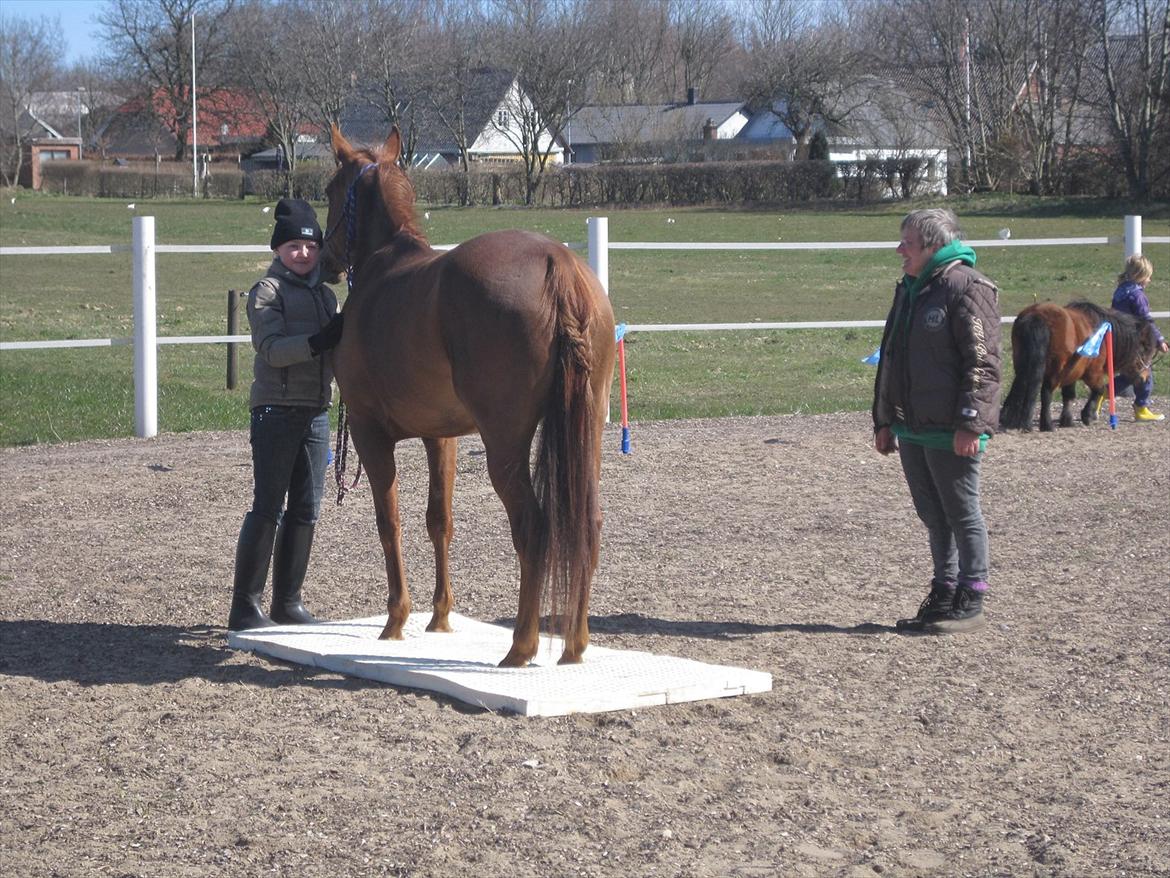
{"points": [[692, 96], [710, 130]]}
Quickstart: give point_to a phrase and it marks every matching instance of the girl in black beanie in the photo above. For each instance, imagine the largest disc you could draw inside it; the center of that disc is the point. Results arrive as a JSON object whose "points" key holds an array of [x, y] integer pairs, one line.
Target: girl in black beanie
{"points": [[295, 326]]}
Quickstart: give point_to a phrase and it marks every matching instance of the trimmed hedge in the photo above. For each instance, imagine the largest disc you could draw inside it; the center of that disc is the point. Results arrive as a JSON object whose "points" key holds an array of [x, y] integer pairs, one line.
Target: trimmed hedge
{"points": [[595, 185], [137, 180]]}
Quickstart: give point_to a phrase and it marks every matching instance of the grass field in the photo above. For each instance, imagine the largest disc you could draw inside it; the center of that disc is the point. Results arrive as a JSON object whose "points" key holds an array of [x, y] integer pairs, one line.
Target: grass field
{"points": [[61, 395]]}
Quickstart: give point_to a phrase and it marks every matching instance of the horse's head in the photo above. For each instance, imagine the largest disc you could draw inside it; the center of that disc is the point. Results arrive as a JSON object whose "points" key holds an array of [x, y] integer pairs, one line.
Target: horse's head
{"points": [[1147, 349], [370, 200]]}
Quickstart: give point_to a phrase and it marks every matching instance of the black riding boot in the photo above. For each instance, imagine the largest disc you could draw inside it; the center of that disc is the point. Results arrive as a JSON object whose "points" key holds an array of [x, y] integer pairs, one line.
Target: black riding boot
{"points": [[294, 542], [253, 552]]}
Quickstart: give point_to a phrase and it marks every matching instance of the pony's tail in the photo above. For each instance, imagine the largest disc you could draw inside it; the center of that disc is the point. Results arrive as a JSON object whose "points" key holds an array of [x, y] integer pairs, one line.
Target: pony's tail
{"points": [[565, 476], [1030, 339]]}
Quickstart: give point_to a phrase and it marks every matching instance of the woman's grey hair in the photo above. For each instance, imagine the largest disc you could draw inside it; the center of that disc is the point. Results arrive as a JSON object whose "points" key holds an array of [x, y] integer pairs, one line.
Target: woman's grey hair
{"points": [[937, 226]]}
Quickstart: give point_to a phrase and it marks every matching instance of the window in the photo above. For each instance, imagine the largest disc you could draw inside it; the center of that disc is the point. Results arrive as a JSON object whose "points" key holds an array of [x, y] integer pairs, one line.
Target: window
{"points": [[53, 155], [502, 119]]}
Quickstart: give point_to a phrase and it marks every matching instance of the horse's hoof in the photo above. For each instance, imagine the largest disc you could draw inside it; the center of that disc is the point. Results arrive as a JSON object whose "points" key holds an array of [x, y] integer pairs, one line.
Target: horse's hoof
{"points": [[514, 660], [391, 633], [567, 659], [440, 625]]}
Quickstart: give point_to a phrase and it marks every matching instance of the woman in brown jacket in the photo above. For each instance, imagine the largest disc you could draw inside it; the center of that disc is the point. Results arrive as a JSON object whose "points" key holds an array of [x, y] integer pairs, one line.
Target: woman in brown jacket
{"points": [[936, 402]]}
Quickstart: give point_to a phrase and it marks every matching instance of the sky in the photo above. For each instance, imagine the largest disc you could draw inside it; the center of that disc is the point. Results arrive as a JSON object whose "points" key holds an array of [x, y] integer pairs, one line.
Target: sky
{"points": [[78, 21]]}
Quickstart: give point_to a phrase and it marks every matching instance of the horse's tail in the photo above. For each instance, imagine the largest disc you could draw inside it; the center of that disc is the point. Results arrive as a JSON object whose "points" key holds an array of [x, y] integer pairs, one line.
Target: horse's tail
{"points": [[1030, 340], [565, 476]]}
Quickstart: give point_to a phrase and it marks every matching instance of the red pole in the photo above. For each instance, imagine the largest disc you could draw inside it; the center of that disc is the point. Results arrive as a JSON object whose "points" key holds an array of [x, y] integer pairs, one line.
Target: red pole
{"points": [[1109, 366]]}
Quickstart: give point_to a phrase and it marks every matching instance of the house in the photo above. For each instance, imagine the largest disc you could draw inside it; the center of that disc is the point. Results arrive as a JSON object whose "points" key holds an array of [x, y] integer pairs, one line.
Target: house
{"points": [[495, 102], [647, 132], [879, 120], [229, 127]]}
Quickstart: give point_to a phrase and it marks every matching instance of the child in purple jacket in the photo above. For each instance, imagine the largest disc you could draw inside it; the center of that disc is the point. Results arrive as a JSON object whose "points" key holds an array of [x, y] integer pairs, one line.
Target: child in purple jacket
{"points": [[1130, 297]]}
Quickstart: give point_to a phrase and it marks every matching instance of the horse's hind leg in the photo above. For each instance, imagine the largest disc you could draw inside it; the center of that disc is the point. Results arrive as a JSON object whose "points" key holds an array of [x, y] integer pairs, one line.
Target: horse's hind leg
{"points": [[440, 524], [508, 469], [1068, 393], [377, 455], [1045, 408]]}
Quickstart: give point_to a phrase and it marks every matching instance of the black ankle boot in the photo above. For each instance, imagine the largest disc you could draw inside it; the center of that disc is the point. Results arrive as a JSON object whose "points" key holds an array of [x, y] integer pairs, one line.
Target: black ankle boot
{"points": [[965, 615], [253, 551], [933, 607], [294, 543]]}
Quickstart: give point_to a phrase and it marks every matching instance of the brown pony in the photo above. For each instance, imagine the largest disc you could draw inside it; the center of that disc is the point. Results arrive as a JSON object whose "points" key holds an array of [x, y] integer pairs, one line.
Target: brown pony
{"points": [[1045, 338], [506, 333]]}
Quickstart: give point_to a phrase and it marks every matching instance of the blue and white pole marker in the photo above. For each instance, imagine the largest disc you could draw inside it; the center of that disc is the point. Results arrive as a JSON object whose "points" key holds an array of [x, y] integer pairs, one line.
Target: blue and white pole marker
{"points": [[1092, 345], [873, 359]]}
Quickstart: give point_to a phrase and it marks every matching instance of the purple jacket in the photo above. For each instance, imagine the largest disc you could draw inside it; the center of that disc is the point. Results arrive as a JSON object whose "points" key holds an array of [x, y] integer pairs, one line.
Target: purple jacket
{"points": [[1130, 298]]}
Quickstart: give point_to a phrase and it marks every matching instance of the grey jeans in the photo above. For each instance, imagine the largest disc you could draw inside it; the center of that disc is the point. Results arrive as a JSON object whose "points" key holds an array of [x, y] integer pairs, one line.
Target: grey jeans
{"points": [[945, 491]]}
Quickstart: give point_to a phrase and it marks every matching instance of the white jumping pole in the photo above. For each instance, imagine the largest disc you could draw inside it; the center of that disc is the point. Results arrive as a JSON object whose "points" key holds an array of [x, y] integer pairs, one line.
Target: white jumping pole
{"points": [[1133, 235], [145, 331]]}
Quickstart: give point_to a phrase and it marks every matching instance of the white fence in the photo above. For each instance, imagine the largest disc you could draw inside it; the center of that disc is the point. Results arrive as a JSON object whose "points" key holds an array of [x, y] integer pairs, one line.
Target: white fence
{"points": [[146, 339]]}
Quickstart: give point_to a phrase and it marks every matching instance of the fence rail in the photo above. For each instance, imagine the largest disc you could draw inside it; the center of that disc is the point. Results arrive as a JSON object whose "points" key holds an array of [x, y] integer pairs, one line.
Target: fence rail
{"points": [[146, 341]]}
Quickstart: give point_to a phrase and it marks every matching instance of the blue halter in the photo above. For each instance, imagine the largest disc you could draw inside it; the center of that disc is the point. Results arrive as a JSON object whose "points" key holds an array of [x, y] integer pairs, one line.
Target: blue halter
{"points": [[349, 217]]}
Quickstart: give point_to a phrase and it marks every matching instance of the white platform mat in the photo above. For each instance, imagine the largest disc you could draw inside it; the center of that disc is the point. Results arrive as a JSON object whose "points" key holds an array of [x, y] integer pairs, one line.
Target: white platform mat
{"points": [[462, 664]]}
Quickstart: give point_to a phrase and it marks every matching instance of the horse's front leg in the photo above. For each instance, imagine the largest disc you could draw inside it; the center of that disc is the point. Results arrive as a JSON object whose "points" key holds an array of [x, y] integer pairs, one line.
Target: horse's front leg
{"points": [[1045, 408], [440, 524], [1068, 393], [377, 455]]}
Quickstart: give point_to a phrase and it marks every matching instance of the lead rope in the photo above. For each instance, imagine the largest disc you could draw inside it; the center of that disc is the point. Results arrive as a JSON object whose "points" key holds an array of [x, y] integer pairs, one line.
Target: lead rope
{"points": [[341, 446], [341, 455]]}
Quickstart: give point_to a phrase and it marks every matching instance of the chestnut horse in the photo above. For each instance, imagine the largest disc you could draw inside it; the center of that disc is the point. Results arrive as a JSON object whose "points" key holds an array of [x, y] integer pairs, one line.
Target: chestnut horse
{"points": [[1045, 338], [507, 332]]}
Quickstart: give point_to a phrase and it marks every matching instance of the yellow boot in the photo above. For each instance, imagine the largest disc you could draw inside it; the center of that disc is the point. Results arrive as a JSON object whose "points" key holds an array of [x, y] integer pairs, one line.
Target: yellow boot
{"points": [[1143, 413]]}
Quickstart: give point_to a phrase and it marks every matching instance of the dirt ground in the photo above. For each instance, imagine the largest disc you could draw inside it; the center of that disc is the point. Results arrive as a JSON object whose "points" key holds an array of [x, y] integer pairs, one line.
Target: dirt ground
{"points": [[136, 744]]}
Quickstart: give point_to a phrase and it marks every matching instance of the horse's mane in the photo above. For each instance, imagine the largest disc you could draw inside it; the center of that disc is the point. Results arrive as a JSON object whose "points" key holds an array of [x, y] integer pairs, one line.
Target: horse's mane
{"points": [[397, 194], [1127, 330]]}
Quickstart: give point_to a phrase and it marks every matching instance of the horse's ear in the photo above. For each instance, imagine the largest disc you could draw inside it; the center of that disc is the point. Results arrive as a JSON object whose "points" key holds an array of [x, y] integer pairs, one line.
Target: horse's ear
{"points": [[392, 148], [341, 148]]}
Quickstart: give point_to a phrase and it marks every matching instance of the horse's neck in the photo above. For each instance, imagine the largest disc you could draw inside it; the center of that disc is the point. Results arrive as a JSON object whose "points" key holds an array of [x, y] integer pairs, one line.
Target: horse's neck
{"points": [[377, 255]]}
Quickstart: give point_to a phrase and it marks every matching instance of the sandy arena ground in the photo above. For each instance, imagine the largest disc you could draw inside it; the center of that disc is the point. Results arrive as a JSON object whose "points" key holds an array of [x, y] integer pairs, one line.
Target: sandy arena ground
{"points": [[136, 744]]}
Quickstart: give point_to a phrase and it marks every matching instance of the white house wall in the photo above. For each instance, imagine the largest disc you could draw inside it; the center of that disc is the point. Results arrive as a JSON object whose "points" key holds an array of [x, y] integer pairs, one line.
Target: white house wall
{"points": [[491, 142], [731, 126]]}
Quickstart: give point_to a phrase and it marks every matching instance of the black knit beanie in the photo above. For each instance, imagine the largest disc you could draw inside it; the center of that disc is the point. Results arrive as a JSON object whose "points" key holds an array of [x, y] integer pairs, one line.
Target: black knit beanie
{"points": [[295, 221]]}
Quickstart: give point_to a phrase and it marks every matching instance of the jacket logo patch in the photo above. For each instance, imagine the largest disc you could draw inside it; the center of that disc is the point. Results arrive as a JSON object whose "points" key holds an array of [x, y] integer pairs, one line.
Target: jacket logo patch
{"points": [[934, 319]]}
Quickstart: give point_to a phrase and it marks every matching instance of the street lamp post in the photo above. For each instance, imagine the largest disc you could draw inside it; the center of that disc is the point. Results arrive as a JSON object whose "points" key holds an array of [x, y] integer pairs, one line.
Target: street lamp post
{"points": [[80, 142]]}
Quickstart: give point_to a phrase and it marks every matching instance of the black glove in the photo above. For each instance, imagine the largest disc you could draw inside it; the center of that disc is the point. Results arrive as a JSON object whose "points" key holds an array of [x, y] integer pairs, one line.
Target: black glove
{"points": [[328, 337]]}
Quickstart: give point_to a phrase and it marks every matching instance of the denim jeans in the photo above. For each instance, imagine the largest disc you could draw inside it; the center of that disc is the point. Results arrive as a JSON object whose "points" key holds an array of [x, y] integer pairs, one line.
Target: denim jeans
{"points": [[945, 491], [290, 450]]}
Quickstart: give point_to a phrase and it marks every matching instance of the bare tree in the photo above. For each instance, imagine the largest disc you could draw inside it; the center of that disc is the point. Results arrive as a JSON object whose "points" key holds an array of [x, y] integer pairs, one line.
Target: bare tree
{"points": [[704, 35], [29, 50], [333, 42], [456, 51], [151, 41], [392, 67], [1137, 89], [633, 40], [545, 43], [801, 66], [273, 79]]}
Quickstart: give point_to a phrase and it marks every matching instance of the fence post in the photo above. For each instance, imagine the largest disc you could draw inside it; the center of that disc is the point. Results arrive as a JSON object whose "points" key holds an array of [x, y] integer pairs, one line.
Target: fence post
{"points": [[1133, 235], [145, 331], [598, 227], [233, 328]]}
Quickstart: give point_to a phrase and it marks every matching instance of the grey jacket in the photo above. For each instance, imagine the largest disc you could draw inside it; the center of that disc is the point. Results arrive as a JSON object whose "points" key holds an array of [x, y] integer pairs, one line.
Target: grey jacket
{"points": [[284, 309], [941, 371]]}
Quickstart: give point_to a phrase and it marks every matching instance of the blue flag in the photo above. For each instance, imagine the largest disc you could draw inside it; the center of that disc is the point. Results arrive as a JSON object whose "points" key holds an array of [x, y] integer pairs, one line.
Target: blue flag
{"points": [[619, 332], [873, 359], [1092, 346]]}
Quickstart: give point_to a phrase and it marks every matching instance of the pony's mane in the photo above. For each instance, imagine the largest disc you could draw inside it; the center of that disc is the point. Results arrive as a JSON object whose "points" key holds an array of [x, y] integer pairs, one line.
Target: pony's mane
{"points": [[1127, 329]]}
